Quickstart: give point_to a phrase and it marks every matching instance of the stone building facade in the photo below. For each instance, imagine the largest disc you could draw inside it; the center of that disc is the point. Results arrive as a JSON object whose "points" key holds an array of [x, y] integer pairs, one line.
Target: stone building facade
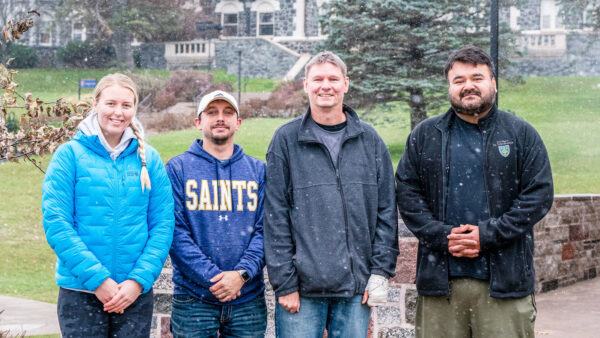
{"points": [[548, 46]]}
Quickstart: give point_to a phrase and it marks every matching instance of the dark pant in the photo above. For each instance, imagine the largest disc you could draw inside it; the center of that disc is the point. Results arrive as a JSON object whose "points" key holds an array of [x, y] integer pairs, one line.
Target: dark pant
{"points": [[81, 314], [192, 318]]}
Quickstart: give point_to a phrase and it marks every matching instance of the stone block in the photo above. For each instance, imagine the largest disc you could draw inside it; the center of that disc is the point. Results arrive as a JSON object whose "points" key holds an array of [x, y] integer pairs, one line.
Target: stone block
{"points": [[410, 305], [577, 232], [568, 252], [395, 332], [406, 263], [165, 327], [558, 233], [569, 216], [394, 294], [162, 303], [389, 314], [168, 264], [403, 230], [582, 198], [164, 281], [550, 285]]}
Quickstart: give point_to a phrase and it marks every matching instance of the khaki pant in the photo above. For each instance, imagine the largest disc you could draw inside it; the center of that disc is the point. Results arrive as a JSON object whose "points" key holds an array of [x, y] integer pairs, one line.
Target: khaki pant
{"points": [[471, 312]]}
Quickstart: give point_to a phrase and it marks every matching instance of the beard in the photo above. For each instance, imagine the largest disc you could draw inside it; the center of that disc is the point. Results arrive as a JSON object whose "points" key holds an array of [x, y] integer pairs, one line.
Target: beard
{"points": [[221, 138], [475, 108]]}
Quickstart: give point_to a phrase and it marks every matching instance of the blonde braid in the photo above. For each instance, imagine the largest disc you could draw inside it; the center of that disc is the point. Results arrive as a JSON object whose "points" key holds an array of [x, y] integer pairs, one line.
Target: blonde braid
{"points": [[144, 176]]}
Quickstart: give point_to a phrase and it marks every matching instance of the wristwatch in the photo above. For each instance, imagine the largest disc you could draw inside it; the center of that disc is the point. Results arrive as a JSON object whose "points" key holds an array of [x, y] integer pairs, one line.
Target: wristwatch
{"points": [[244, 274]]}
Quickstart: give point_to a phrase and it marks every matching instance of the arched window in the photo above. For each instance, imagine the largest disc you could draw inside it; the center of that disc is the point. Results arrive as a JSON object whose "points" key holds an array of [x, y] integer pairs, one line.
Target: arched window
{"points": [[265, 16], [229, 16]]}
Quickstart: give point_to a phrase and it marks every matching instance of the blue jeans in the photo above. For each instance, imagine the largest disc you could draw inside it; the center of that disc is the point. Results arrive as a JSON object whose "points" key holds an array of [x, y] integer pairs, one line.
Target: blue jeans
{"points": [[192, 318], [343, 317], [81, 314]]}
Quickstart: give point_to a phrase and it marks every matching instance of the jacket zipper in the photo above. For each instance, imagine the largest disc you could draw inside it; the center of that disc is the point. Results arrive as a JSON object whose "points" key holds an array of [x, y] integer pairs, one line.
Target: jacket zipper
{"points": [[341, 190], [446, 168], [487, 197], [115, 222]]}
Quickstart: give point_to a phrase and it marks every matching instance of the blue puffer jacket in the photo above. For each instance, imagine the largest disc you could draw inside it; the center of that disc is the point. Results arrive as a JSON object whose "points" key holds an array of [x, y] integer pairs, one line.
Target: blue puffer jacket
{"points": [[97, 219]]}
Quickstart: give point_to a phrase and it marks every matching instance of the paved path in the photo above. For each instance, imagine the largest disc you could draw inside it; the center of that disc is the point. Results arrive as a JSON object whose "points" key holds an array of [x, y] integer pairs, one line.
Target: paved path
{"points": [[27, 316], [572, 312]]}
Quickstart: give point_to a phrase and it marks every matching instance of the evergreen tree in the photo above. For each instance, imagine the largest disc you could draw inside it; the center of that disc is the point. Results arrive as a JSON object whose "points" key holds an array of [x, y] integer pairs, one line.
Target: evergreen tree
{"points": [[119, 21], [396, 49], [573, 12]]}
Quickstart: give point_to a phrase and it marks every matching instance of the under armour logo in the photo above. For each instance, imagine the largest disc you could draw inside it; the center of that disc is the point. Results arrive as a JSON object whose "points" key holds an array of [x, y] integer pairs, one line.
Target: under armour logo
{"points": [[223, 218]]}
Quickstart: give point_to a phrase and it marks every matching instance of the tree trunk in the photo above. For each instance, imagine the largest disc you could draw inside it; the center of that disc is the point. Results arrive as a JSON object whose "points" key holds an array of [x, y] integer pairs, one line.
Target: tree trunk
{"points": [[417, 105], [121, 39]]}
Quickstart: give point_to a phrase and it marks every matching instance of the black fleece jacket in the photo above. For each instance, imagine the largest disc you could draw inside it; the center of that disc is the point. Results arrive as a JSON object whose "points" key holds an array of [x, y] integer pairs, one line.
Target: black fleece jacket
{"points": [[518, 184]]}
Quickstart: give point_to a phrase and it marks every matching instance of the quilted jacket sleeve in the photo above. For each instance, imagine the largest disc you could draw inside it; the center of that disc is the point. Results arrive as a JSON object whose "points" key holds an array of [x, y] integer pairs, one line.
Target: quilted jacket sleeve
{"points": [[58, 192], [160, 225]]}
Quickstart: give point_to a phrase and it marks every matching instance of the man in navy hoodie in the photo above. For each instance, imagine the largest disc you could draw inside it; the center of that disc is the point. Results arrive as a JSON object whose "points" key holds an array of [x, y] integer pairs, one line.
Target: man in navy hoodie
{"points": [[217, 251]]}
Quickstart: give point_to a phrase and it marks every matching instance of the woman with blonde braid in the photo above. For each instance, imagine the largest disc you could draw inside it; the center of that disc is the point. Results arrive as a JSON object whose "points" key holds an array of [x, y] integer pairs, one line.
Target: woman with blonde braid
{"points": [[108, 215]]}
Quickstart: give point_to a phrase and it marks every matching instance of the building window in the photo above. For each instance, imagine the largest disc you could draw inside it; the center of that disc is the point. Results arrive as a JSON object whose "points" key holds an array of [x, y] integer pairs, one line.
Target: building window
{"points": [[265, 23], [546, 21], [230, 24], [45, 34], [78, 32]]}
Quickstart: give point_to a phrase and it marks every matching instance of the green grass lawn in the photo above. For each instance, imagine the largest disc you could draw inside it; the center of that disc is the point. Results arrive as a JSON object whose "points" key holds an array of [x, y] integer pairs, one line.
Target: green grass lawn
{"points": [[564, 110], [566, 113], [51, 84]]}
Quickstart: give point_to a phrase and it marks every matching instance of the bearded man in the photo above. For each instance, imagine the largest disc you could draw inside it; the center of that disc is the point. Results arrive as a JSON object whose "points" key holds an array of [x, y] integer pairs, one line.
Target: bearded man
{"points": [[471, 185]]}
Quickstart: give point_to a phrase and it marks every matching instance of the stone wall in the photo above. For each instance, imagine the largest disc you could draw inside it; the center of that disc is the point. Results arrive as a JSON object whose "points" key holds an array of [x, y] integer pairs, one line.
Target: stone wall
{"points": [[567, 242], [567, 250], [151, 55], [530, 15], [301, 46], [47, 57], [311, 25], [260, 57], [284, 18]]}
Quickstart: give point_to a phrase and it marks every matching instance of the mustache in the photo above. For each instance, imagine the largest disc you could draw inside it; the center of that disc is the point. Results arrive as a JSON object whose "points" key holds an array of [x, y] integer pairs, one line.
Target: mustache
{"points": [[469, 92]]}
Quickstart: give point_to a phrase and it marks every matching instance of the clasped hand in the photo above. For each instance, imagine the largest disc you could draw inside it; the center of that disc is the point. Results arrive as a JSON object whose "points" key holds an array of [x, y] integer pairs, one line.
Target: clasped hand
{"points": [[463, 241], [227, 286], [117, 297]]}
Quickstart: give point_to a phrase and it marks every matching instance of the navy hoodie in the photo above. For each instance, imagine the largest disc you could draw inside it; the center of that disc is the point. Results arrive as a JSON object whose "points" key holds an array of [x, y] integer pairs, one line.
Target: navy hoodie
{"points": [[218, 221]]}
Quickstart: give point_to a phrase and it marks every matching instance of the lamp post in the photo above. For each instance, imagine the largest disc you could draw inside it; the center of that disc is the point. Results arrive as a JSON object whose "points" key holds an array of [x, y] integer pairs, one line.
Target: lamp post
{"points": [[494, 40], [239, 76]]}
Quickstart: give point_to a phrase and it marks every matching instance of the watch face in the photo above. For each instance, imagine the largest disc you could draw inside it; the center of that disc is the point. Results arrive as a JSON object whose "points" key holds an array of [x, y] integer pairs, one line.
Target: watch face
{"points": [[245, 276]]}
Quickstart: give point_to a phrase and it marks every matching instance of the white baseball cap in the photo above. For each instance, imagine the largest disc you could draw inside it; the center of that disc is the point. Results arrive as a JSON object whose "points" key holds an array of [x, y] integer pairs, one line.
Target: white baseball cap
{"points": [[214, 96]]}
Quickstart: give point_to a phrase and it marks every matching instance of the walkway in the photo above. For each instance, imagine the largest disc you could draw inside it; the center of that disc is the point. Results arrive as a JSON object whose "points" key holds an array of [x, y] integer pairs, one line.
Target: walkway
{"points": [[573, 312], [27, 316]]}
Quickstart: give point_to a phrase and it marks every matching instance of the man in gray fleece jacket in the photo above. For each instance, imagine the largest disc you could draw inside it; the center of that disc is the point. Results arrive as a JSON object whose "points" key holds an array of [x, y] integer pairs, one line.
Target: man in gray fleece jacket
{"points": [[330, 215]]}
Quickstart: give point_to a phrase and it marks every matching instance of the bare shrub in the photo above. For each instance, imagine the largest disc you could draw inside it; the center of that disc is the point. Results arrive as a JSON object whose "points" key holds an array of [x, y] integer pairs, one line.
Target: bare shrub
{"points": [[287, 100], [148, 85], [183, 85], [167, 121], [224, 86]]}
